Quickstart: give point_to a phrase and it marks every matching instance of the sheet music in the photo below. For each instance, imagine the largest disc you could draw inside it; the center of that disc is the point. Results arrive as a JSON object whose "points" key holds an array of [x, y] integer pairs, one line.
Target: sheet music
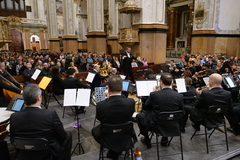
{"points": [[158, 77], [36, 74], [90, 77], [83, 97], [44, 82], [69, 97], [99, 93], [206, 81], [122, 77], [230, 82], [144, 88], [181, 86]]}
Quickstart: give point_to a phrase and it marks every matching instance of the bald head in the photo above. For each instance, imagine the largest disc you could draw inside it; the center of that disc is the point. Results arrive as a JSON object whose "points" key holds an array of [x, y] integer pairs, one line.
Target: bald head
{"points": [[215, 80]]}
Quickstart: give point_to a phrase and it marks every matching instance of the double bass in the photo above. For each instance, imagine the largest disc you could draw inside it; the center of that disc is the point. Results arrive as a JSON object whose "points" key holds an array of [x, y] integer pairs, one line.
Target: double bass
{"points": [[8, 94]]}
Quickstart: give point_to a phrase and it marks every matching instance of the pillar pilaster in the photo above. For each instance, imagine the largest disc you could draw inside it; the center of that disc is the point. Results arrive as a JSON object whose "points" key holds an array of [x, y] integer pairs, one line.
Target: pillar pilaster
{"points": [[52, 26], [112, 27], [171, 28], [27, 43], [190, 28], [42, 40], [152, 32], [96, 37]]}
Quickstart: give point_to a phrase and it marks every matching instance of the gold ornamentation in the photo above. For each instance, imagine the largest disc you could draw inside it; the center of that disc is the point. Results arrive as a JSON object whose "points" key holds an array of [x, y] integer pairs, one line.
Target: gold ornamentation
{"points": [[13, 21], [128, 35]]}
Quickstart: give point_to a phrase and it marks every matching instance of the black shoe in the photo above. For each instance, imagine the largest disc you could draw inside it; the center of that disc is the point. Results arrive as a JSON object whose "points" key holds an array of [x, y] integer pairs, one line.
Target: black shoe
{"points": [[147, 144], [196, 127], [164, 141]]}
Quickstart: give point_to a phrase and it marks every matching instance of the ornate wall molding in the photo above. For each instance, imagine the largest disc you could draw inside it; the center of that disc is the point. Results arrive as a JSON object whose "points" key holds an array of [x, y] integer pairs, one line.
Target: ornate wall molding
{"points": [[217, 28]]}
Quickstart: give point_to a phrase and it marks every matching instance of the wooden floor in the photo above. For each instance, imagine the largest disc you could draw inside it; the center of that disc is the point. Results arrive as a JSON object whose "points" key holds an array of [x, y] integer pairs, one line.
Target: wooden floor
{"points": [[193, 149]]}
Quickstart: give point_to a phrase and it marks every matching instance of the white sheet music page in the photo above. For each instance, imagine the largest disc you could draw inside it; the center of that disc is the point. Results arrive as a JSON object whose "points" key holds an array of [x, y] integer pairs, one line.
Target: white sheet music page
{"points": [[90, 77], [206, 81], [144, 88], [83, 97], [150, 86], [141, 88], [230, 82], [36, 74], [181, 86], [70, 97]]}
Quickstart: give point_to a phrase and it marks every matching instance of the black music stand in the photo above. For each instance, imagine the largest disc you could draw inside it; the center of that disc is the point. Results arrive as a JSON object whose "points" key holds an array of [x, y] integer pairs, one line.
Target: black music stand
{"points": [[77, 126]]}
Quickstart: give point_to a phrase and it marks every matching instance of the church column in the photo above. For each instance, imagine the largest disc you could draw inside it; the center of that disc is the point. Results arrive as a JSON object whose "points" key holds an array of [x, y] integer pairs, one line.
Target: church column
{"points": [[82, 25], [152, 31], [27, 43], [190, 26], [52, 26], [42, 40], [171, 28], [176, 22], [96, 37], [69, 38], [112, 26]]}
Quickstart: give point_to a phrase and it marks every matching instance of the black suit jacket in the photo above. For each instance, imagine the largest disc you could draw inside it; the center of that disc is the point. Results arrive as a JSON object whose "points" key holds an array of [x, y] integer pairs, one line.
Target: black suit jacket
{"points": [[58, 87], [97, 79], [127, 62], [115, 110], [160, 101], [33, 122], [72, 82], [215, 96]]}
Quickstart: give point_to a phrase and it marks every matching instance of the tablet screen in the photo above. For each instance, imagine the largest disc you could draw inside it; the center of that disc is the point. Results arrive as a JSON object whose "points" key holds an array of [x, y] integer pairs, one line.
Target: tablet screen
{"points": [[125, 85], [18, 105]]}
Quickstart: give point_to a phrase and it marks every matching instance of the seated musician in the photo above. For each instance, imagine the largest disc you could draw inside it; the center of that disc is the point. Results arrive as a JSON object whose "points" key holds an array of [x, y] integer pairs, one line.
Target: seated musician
{"points": [[159, 101], [188, 100], [114, 110], [98, 77], [58, 87], [34, 122], [28, 72], [7, 75], [215, 96], [71, 83]]}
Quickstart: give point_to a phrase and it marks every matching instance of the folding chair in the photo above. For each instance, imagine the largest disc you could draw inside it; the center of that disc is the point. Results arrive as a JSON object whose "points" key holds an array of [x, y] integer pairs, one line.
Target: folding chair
{"points": [[214, 119]]}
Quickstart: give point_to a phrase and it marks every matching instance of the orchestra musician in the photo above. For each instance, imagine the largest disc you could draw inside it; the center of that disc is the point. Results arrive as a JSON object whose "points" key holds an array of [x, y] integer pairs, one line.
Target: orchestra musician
{"points": [[57, 80], [10, 85], [159, 101]]}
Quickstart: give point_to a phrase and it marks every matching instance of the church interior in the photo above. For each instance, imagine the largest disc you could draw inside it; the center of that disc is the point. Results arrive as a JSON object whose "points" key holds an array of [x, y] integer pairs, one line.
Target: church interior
{"points": [[162, 32]]}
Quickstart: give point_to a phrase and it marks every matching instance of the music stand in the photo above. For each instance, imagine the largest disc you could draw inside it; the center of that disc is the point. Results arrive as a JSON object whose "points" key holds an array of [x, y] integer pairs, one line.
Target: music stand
{"points": [[77, 125]]}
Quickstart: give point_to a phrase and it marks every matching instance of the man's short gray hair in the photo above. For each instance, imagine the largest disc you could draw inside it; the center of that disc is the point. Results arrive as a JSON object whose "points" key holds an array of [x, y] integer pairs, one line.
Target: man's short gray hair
{"points": [[31, 93]]}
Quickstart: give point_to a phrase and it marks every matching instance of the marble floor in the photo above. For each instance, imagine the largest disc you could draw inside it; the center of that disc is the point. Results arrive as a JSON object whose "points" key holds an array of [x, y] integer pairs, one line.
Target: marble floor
{"points": [[193, 149]]}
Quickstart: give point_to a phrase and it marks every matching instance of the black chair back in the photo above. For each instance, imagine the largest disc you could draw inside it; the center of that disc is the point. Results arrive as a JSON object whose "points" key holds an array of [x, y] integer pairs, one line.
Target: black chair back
{"points": [[170, 116], [217, 109], [32, 148], [215, 116], [168, 123], [117, 137]]}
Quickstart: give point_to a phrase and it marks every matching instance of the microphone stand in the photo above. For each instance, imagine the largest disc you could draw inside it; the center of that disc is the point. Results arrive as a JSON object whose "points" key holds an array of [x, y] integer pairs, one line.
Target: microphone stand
{"points": [[78, 125]]}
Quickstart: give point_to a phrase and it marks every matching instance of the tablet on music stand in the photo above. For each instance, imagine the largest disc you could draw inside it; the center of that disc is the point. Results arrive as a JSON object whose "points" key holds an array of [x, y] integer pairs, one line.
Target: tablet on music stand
{"points": [[16, 104], [125, 85]]}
